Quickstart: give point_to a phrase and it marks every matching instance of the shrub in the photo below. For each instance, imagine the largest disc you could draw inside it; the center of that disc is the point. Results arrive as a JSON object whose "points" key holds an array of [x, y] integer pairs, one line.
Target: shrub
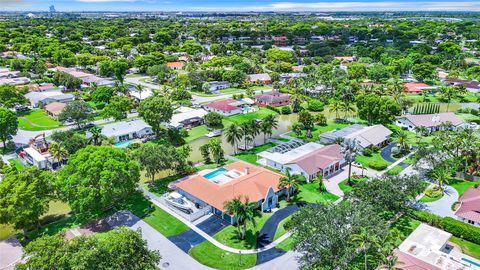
{"points": [[375, 148], [275, 109], [378, 165], [286, 110], [315, 105], [434, 192], [320, 119], [367, 152], [425, 216]]}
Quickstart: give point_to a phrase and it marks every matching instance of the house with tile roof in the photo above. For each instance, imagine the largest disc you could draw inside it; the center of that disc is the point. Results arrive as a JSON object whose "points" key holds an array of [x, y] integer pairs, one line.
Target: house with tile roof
{"points": [[470, 85], [273, 98], [416, 87], [262, 78], [469, 209], [367, 136], [54, 109], [239, 179], [308, 160], [177, 65], [225, 107], [432, 122]]}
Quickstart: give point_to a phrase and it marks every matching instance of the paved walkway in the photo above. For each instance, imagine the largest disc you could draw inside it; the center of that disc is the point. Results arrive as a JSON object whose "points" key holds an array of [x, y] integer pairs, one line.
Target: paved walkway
{"points": [[398, 162], [331, 184], [442, 207]]}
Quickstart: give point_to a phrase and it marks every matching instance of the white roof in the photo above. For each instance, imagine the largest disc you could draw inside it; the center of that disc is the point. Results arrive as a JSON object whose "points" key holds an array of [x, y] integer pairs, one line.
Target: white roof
{"points": [[287, 157], [34, 154], [188, 113], [146, 92], [38, 96], [124, 127], [372, 135]]}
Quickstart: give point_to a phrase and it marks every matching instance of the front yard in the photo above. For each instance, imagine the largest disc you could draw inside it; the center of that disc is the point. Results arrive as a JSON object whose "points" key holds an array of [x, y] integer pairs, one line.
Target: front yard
{"points": [[242, 118], [165, 223], [35, 120], [317, 130], [375, 161]]}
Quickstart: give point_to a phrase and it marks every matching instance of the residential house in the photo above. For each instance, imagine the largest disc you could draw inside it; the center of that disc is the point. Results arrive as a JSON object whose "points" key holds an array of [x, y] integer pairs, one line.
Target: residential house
{"points": [[187, 117], [218, 85], [308, 160], [262, 78], [469, 208], [272, 98], [126, 130], [7, 74], [31, 156], [472, 86], [54, 109], [225, 107], [280, 40], [417, 87], [43, 98], [367, 136], [177, 65], [432, 122], [428, 248], [15, 81], [284, 77], [239, 179]]}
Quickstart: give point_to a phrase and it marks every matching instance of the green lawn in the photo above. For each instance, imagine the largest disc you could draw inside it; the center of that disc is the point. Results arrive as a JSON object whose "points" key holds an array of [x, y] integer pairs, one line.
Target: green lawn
{"points": [[467, 247], [35, 120], [469, 117], [346, 188], [212, 256], [242, 118], [411, 136], [232, 90], [286, 244], [376, 158], [395, 170], [196, 132], [17, 164], [427, 199], [461, 185], [406, 226], [309, 193], [251, 154], [281, 228], [317, 130], [165, 223]]}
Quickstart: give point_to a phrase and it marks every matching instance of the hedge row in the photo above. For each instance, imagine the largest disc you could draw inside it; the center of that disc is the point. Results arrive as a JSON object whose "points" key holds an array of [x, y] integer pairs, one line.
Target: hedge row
{"points": [[455, 227]]}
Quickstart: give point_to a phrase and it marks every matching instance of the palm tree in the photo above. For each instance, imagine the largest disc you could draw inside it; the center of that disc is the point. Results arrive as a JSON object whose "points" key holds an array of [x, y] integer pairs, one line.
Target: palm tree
{"points": [[58, 152], [233, 134], [389, 263], [233, 208], [255, 130], [295, 101], [245, 129], [268, 124], [442, 175], [335, 106], [215, 147], [419, 133], [290, 181], [347, 107], [243, 212], [139, 90], [401, 138], [365, 241], [319, 179], [96, 133], [350, 149]]}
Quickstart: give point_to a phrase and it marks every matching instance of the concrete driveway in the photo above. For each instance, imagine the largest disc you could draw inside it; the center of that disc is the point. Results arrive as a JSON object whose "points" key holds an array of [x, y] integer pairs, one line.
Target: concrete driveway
{"points": [[442, 207], [331, 183], [11, 252]]}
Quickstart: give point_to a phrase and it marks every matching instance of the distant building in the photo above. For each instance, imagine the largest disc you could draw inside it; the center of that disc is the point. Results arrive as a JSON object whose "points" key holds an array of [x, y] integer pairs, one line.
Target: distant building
{"points": [[225, 107], [126, 130], [432, 122], [52, 9], [187, 117], [417, 87], [273, 98], [177, 65], [218, 85], [377, 135], [262, 78], [47, 97], [472, 86], [54, 109]]}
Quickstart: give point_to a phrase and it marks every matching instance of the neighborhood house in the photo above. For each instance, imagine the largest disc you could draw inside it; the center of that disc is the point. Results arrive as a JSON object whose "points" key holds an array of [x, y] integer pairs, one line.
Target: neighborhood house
{"points": [[417, 87], [47, 97], [216, 187], [469, 208], [187, 117], [218, 85], [273, 98], [376, 135], [263, 78], [309, 159], [472, 86], [432, 122], [225, 107], [54, 109], [178, 65], [126, 130]]}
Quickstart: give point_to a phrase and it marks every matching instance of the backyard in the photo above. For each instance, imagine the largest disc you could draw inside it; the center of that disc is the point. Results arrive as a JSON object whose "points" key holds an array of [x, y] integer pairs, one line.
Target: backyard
{"points": [[35, 120], [242, 118], [251, 154], [317, 130]]}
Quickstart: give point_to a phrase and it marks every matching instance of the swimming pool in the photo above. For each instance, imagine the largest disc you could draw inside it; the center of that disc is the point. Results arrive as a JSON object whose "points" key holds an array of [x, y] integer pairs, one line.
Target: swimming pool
{"points": [[471, 262], [123, 144], [217, 172]]}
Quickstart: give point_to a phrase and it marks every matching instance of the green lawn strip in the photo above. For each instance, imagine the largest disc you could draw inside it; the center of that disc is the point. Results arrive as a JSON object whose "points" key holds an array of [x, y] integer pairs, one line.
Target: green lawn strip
{"points": [[232, 90], [281, 228], [317, 130], [203, 94], [212, 256], [427, 199], [347, 188], [461, 185], [309, 193], [282, 139], [6, 230], [165, 223], [196, 133], [395, 170], [242, 118], [286, 244], [469, 117], [406, 226], [467, 247], [17, 164], [376, 158], [35, 120], [251, 154]]}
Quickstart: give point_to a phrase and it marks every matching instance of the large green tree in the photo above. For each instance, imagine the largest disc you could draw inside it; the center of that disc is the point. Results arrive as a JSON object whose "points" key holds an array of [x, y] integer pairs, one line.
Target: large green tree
{"points": [[377, 109], [156, 110], [8, 125], [78, 111]]}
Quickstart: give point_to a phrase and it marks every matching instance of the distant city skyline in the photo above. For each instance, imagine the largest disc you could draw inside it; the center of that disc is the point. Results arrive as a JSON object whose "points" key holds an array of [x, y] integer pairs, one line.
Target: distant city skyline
{"points": [[245, 5]]}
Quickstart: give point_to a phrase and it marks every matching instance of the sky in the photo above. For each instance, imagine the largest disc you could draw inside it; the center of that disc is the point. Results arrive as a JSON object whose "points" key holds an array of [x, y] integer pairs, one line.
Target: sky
{"points": [[244, 5]]}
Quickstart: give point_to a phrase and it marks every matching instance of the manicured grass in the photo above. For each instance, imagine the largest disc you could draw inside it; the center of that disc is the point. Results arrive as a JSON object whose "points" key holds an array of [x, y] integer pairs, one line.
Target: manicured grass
{"points": [[406, 226], [6, 231], [35, 120], [281, 227], [317, 130], [282, 139], [467, 247], [469, 117], [461, 185], [242, 118], [165, 223], [17, 164], [287, 244], [251, 154], [427, 199], [412, 138], [376, 158], [347, 188], [309, 193], [212, 256], [232, 90], [395, 170], [196, 132]]}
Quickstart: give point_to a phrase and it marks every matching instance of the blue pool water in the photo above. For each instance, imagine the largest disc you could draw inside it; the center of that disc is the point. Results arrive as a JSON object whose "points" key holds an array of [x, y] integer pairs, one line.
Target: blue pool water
{"points": [[217, 172], [123, 144], [471, 262]]}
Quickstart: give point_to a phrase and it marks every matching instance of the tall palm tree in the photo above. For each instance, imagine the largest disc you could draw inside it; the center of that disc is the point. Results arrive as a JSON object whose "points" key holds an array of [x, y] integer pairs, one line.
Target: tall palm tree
{"points": [[254, 130], [335, 107], [58, 152], [268, 124], [233, 208], [295, 101], [96, 133], [243, 212], [442, 175], [233, 134], [289, 181], [347, 108], [245, 129], [401, 138], [350, 149], [319, 179], [365, 240], [139, 90]]}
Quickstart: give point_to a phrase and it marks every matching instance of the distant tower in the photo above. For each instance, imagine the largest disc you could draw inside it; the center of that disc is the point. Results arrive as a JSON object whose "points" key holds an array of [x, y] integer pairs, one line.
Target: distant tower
{"points": [[52, 9]]}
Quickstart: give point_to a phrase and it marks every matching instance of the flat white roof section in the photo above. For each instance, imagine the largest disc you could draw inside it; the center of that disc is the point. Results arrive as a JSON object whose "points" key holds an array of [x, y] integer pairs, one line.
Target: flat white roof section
{"points": [[34, 154]]}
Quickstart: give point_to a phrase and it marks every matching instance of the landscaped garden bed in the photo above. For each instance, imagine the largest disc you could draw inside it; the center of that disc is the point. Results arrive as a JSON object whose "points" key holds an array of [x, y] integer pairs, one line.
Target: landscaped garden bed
{"points": [[345, 187]]}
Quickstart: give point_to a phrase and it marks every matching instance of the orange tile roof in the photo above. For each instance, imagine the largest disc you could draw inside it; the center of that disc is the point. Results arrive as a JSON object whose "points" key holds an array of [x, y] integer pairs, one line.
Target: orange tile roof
{"points": [[177, 64], [253, 185], [415, 87]]}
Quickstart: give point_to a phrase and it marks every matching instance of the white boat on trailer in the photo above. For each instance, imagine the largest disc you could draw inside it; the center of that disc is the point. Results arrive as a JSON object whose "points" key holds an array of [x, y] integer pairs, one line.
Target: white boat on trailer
{"points": [[214, 133], [179, 201]]}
